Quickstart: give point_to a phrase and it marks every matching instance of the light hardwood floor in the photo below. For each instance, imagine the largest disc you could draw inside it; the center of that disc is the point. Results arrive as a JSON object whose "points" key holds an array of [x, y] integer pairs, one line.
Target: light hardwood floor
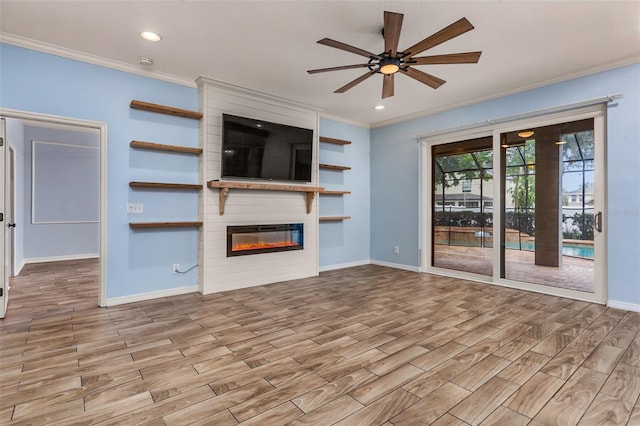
{"points": [[361, 346]]}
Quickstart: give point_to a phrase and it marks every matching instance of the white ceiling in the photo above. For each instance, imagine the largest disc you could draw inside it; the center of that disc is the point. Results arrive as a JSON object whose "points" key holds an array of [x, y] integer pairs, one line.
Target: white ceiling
{"points": [[269, 45]]}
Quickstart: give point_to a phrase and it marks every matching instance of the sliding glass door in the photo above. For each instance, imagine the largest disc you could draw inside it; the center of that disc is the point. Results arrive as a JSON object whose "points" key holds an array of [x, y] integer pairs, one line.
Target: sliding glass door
{"points": [[548, 205], [462, 200], [520, 204]]}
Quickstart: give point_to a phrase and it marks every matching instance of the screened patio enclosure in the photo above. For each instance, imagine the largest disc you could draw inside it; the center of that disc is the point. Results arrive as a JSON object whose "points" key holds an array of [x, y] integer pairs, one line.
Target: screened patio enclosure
{"points": [[547, 198]]}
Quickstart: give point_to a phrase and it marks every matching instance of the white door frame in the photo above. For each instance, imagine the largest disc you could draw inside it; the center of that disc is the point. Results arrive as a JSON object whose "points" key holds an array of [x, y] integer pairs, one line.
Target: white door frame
{"points": [[598, 113], [102, 129]]}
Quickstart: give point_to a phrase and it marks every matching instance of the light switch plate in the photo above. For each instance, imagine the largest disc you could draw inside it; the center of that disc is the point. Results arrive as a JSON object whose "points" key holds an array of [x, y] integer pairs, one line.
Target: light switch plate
{"points": [[135, 208]]}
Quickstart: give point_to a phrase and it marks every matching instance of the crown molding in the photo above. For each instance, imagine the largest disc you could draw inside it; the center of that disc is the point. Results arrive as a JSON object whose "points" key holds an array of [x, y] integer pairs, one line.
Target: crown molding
{"points": [[425, 113], [51, 49], [344, 120]]}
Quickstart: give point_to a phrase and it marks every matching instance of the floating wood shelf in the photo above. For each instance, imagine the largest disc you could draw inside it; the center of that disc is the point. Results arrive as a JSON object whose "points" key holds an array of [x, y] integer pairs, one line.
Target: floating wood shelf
{"points": [[333, 218], [162, 109], [225, 186], [140, 225], [164, 185], [333, 167], [334, 141], [335, 192], [163, 147]]}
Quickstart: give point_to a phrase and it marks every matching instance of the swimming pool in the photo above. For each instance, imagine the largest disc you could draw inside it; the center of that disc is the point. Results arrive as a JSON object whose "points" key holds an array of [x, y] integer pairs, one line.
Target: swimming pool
{"points": [[575, 250]]}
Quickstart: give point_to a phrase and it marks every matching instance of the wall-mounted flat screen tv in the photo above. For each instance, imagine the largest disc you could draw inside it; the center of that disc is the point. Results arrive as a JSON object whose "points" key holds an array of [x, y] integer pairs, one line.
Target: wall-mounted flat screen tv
{"points": [[261, 150]]}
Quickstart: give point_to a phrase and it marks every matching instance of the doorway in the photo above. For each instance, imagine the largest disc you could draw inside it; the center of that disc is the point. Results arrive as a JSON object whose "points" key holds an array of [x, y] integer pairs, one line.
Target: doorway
{"points": [[520, 204], [10, 191]]}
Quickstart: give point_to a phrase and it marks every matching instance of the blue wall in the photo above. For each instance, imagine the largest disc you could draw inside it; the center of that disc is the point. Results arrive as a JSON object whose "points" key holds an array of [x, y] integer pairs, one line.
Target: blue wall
{"points": [[345, 242], [137, 261], [45, 240], [395, 170]]}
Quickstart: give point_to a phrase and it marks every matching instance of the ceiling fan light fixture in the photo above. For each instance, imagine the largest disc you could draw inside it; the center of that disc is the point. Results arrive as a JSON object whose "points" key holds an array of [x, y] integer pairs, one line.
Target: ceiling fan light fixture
{"points": [[525, 133], [389, 65]]}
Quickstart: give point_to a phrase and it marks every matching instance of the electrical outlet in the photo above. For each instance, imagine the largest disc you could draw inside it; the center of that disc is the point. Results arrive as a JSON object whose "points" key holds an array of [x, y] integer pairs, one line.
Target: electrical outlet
{"points": [[176, 268], [396, 250], [135, 208]]}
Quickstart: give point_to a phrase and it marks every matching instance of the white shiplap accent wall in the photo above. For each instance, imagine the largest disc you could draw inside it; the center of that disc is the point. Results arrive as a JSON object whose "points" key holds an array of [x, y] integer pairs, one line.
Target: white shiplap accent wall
{"points": [[246, 207]]}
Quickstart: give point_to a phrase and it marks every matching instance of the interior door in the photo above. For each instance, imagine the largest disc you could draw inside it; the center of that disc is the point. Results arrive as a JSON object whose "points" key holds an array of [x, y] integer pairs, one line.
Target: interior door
{"points": [[4, 249]]}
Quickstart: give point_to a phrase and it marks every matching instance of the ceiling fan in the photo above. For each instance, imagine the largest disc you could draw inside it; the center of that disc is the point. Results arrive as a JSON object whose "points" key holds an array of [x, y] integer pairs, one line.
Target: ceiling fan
{"points": [[392, 61]]}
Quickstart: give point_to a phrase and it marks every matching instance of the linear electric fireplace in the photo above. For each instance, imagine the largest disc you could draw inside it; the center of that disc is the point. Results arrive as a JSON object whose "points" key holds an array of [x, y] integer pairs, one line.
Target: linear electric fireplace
{"points": [[255, 239]]}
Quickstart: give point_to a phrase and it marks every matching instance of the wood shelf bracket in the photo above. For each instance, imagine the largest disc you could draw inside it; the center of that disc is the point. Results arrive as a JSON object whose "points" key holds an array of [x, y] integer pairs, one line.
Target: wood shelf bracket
{"points": [[222, 194]]}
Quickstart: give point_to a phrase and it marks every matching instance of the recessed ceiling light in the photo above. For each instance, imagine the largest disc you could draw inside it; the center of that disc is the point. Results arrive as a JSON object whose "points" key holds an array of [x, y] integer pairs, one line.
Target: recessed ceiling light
{"points": [[378, 107], [145, 61], [561, 142], [150, 36]]}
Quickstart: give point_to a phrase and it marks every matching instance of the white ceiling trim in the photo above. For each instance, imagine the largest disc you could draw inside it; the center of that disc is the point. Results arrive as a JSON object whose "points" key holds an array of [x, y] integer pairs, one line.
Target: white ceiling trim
{"points": [[91, 59]]}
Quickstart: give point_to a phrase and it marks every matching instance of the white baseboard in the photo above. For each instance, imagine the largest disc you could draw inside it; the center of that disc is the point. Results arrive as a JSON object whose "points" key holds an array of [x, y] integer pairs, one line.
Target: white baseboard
{"points": [[19, 268], [344, 265], [616, 304], [396, 265], [60, 258], [151, 295]]}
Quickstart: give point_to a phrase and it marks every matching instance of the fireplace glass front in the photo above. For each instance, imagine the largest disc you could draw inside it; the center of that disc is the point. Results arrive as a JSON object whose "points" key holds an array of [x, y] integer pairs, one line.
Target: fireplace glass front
{"points": [[255, 239]]}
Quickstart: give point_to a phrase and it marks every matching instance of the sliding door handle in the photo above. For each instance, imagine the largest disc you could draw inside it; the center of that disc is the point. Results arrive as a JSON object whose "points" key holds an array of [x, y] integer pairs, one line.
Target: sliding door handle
{"points": [[598, 222]]}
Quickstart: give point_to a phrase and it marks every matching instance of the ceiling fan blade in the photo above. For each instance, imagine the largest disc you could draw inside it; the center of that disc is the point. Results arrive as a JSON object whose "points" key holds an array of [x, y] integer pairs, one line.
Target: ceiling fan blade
{"points": [[348, 48], [392, 27], [354, 82], [423, 77], [387, 85], [461, 26], [343, 67], [453, 58]]}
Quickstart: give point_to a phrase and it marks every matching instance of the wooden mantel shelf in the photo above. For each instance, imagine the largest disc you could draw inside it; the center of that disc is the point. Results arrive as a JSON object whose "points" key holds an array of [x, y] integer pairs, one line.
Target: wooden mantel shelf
{"points": [[162, 109], [225, 186]]}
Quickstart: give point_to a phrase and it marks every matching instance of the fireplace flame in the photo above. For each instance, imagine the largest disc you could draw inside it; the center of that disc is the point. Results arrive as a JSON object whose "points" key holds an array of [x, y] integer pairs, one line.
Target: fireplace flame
{"points": [[263, 245]]}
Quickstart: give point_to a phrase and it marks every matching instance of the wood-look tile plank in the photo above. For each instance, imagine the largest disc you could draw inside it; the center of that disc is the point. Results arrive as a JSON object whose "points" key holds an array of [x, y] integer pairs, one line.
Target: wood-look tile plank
{"points": [[502, 416], [428, 409], [391, 362], [385, 384], [449, 420], [329, 413], [480, 373], [534, 394], [477, 406], [280, 415], [431, 380], [607, 410], [524, 367], [565, 363], [623, 383], [201, 410], [381, 410], [322, 395], [221, 418], [581, 388], [603, 359], [268, 400]]}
